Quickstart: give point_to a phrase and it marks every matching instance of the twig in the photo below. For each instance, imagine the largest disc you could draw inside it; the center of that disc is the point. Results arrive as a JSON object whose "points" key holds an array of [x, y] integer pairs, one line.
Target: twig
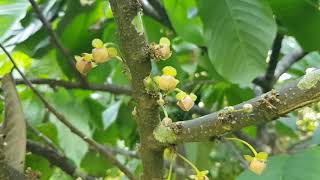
{"points": [[266, 82], [115, 150], [57, 159], [42, 136], [158, 7], [61, 118], [115, 89], [56, 41], [288, 60]]}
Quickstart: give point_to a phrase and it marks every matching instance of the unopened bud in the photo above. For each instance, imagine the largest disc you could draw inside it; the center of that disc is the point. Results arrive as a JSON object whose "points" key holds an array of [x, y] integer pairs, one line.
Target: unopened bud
{"points": [[186, 103]]}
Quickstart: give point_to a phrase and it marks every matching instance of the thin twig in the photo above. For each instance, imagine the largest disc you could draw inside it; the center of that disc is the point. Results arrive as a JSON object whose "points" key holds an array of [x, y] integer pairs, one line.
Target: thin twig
{"points": [[112, 88], [109, 155], [288, 60], [158, 7], [266, 82], [56, 41], [43, 137], [57, 159]]}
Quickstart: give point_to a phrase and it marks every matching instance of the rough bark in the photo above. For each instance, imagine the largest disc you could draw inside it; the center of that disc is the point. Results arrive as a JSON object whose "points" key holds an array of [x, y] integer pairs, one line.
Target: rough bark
{"points": [[266, 107], [13, 132], [135, 50]]}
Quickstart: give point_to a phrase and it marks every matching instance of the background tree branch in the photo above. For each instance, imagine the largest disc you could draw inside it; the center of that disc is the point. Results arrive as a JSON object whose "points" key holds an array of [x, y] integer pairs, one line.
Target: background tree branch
{"points": [[56, 159], [56, 41]]}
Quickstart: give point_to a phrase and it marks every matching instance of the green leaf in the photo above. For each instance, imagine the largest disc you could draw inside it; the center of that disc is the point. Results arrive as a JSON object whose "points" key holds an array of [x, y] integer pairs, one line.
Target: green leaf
{"points": [[11, 11], [95, 164], [238, 35], [38, 163], [183, 16], [23, 61], [110, 114], [302, 20], [298, 166], [71, 105]]}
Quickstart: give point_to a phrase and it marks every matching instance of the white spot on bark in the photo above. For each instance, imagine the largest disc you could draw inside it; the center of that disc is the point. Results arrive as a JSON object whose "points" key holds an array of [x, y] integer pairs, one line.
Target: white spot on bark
{"points": [[309, 80]]}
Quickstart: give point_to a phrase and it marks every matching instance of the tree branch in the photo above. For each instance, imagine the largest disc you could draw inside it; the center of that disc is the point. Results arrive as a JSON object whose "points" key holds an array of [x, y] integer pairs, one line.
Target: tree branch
{"points": [[57, 43], [43, 137], [164, 18], [56, 159], [72, 128], [135, 50], [115, 89], [266, 82], [266, 107], [288, 60]]}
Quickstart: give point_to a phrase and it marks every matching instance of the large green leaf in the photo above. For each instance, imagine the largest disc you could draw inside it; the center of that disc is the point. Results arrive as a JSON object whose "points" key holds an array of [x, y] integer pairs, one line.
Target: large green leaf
{"points": [[110, 114], [300, 166], [183, 16], [238, 35], [301, 18], [10, 12], [70, 103]]}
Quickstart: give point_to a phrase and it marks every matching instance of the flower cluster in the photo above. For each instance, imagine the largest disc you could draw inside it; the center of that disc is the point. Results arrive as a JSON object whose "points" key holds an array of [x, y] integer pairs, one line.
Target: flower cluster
{"points": [[100, 54], [167, 81], [308, 121]]}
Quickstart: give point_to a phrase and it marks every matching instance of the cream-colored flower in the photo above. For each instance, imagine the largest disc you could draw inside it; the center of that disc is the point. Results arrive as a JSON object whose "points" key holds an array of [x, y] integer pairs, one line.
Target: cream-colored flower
{"points": [[166, 83], [258, 163], [83, 66]]}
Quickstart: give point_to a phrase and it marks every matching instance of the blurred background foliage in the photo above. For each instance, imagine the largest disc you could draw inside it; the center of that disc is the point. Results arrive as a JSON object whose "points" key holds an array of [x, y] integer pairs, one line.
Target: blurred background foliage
{"points": [[219, 47]]}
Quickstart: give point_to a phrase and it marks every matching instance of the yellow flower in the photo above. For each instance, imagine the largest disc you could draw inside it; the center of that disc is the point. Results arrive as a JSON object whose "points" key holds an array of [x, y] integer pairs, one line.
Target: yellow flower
{"points": [[166, 83], [97, 43], [83, 66], [100, 53], [201, 175], [185, 102], [258, 163], [169, 71]]}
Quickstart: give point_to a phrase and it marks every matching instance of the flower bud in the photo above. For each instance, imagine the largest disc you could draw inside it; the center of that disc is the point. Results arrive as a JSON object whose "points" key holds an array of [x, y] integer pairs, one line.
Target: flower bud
{"points": [[100, 55], [186, 103], [97, 43], [83, 66], [166, 83], [169, 71]]}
